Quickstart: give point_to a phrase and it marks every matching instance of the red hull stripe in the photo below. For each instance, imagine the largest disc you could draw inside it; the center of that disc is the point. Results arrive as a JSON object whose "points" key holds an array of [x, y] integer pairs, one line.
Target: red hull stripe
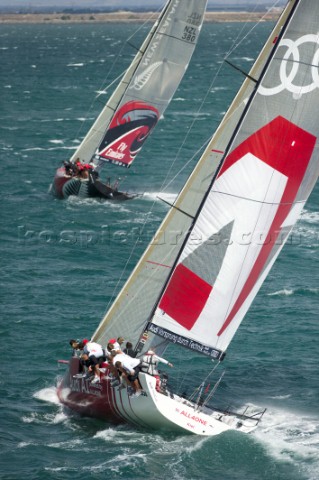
{"points": [[288, 149], [112, 402], [185, 296]]}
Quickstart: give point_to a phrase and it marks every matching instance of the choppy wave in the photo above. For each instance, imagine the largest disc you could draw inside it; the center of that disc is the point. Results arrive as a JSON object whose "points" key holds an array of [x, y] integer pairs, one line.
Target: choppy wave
{"points": [[295, 291], [292, 437]]}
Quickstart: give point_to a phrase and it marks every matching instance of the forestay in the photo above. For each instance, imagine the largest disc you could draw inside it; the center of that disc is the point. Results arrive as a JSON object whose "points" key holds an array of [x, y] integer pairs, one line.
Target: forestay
{"points": [[146, 88]]}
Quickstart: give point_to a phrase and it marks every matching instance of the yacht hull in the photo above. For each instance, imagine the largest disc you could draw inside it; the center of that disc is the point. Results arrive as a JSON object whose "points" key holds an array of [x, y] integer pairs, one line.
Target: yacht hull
{"points": [[151, 410], [64, 186]]}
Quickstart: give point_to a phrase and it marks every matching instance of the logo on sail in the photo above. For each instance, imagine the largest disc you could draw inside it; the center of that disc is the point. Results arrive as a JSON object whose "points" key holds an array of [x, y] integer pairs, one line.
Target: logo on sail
{"points": [[129, 129], [255, 191], [292, 61], [141, 80]]}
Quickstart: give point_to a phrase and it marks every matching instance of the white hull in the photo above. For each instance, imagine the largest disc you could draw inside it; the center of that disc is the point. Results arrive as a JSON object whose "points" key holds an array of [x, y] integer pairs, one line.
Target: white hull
{"points": [[151, 409], [157, 411]]}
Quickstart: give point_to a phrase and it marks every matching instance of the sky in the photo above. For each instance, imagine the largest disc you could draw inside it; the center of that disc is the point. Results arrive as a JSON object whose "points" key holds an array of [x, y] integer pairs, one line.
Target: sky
{"points": [[112, 3]]}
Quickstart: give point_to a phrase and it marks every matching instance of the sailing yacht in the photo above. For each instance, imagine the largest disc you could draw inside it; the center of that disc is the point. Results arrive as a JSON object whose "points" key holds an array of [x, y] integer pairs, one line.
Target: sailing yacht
{"points": [[138, 102], [240, 203]]}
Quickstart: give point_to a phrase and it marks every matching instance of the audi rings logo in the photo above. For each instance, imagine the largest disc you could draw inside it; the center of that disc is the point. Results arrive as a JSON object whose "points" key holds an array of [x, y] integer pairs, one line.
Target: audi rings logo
{"points": [[292, 58]]}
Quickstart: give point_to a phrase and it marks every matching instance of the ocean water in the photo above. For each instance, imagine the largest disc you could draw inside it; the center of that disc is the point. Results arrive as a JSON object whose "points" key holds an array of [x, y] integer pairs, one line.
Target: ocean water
{"points": [[63, 262]]}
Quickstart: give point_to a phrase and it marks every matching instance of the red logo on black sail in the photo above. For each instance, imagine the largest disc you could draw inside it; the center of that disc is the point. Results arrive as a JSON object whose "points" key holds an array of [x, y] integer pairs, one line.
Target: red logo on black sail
{"points": [[129, 129]]}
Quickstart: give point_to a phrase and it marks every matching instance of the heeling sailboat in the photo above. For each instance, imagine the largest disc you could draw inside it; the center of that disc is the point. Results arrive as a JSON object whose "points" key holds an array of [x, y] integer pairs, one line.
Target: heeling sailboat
{"points": [[229, 224], [136, 105]]}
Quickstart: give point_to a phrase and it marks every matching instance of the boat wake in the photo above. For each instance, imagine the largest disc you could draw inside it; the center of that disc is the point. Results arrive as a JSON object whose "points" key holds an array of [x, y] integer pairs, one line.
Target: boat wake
{"points": [[47, 395], [168, 197], [291, 437]]}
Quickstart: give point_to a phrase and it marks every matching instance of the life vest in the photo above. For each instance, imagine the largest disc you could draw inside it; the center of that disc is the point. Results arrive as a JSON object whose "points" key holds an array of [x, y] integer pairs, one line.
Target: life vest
{"points": [[149, 364]]}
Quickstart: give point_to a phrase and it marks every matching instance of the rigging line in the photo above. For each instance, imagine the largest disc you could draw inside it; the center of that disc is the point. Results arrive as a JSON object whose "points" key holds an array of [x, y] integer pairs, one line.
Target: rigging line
{"points": [[101, 85], [176, 208], [182, 376], [232, 139], [115, 289], [232, 49], [143, 226], [228, 148], [148, 20], [293, 203], [253, 28], [240, 70], [104, 91], [118, 56], [164, 184], [204, 145], [288, 60], [205, 380], [262, 202], [208, 398]]}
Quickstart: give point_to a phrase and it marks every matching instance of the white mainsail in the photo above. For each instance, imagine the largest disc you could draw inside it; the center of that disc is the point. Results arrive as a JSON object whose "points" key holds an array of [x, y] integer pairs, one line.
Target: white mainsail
{"points": [[146, 88], [197, 279]]}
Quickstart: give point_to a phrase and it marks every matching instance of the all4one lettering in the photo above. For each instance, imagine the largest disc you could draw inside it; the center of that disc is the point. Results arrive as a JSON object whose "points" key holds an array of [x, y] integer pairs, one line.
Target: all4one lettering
{"points": [[195, 418]]}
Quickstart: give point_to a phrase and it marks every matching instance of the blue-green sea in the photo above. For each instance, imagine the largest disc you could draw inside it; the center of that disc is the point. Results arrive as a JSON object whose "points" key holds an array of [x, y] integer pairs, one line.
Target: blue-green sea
{"points": [[62, 262]]}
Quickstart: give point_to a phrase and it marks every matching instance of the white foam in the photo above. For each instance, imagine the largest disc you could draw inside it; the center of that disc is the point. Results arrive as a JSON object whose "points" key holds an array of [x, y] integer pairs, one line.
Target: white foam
{"points": [[58, 142], [47, 395], [68, 445], [24, 444], [280, 397], [169, 197], [284, 292], [103, 203], [293, 291], [310, 217], [291, 437]]}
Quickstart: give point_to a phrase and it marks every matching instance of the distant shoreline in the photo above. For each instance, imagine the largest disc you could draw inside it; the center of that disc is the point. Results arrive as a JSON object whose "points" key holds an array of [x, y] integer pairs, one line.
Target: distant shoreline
{"points": [[130, 17]]}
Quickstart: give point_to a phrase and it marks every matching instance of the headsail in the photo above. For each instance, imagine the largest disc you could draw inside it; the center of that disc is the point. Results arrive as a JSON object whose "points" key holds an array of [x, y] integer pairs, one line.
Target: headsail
{"points": [[197, 279], [262, 184], [146, 88]]}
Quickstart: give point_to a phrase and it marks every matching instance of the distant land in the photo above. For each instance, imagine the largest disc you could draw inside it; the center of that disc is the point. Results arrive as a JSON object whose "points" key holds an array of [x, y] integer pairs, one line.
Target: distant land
{"points": [[127, 16], [102, 6]]}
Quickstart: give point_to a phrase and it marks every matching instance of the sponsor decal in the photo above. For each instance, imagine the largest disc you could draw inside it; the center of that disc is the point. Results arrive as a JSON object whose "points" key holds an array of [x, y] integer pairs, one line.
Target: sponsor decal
{"points": [[129, 129], [286, 148], [280, 147], [195, 418], [291, 63], [185, 342], [84, 386], [194, 19], [139, 81], [151, 51]]}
